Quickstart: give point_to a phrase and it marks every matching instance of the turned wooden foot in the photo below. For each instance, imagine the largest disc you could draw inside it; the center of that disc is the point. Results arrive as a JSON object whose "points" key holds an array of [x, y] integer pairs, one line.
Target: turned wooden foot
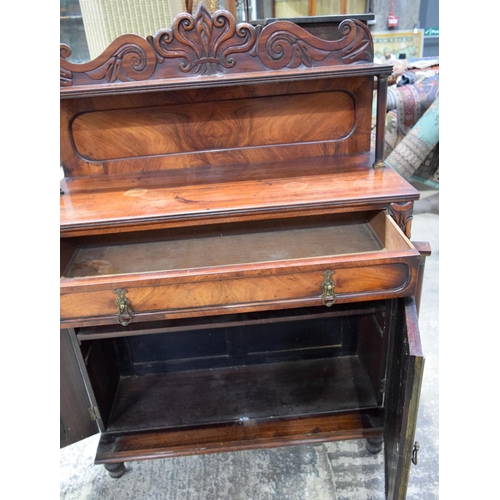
{"points": [[115, 470], [374, 445]]}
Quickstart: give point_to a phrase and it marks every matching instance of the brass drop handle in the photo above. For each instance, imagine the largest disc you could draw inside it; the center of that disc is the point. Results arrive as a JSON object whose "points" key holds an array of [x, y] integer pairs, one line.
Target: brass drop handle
{"points": [[125, 311], [328, 296]]}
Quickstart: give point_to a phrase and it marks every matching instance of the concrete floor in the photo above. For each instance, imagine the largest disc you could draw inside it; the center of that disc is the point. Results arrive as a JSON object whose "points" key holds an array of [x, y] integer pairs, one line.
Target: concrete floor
{"points": [[333, 471]]}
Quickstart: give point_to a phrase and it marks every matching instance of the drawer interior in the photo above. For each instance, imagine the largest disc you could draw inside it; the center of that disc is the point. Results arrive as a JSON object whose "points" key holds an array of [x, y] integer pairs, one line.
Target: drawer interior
{"points": [[231, 245]]}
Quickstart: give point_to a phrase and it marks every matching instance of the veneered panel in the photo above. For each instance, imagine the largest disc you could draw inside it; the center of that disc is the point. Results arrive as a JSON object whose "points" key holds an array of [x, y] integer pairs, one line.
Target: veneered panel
{"points": [[231, 124]]}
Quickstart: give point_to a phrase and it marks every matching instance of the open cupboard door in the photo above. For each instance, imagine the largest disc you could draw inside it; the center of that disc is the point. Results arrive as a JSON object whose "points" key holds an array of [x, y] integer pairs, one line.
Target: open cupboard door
{"points": [[406, 366], [75, 406]]}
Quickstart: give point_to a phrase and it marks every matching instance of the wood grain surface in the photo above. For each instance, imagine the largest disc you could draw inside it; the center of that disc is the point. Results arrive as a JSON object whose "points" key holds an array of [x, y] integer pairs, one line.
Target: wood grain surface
{"points": [[238, 192]]}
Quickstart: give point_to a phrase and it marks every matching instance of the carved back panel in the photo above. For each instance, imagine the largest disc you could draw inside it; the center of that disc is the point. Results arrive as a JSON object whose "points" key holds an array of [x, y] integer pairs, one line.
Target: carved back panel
{"points": [[210, 92], [180, 129]]}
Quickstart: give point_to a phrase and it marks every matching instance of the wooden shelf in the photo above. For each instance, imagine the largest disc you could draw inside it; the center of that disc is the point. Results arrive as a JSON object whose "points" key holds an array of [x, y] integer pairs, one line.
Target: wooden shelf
{"points": [[240, 393], [227, 193], [211, 81]]}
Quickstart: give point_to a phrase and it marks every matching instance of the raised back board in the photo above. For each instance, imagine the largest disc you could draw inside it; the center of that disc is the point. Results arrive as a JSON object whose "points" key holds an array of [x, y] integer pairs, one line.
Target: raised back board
{"points": [[211, 92]]}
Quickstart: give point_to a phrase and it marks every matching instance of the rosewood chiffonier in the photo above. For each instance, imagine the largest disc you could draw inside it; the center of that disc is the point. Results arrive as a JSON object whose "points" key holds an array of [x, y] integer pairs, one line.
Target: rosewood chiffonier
{"points": [[236, 263]]}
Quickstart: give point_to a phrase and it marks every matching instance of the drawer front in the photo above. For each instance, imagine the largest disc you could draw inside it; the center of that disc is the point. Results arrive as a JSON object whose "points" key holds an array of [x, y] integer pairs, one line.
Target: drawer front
{"points": [[231, 293]]}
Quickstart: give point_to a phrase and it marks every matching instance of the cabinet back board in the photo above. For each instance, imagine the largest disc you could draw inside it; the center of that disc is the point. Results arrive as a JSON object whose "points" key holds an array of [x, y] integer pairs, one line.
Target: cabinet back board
{"points": [[183, 129]]}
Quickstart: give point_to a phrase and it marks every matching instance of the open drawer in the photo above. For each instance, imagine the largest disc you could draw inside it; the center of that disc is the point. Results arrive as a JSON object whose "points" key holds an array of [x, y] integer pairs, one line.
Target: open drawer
{"points": [[230, 268]]}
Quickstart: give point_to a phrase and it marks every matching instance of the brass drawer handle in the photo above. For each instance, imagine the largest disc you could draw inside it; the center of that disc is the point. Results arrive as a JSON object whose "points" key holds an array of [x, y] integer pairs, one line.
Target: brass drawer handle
{"points": [[125, 311], [328, 296]]}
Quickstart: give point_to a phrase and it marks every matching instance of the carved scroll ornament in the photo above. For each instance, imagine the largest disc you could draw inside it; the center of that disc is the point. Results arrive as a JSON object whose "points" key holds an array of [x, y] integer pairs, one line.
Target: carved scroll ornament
{"points": [[402, 213], [131, 60], [207, 44]]}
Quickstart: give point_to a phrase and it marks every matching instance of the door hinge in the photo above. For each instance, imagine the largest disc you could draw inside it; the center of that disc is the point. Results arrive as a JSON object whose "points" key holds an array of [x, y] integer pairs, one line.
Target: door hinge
{"points": [[63, 432], [383, 385], [94, 413]]}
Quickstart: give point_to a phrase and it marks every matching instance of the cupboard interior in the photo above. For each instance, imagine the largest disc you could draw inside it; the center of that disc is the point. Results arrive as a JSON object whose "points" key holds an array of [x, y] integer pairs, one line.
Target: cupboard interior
{"points": [[238, 368], [229, 244]]}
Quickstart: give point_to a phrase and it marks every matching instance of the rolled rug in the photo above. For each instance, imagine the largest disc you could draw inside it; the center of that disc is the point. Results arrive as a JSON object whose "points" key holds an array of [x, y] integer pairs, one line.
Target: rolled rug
{"points": [[411, 101], [412, 151]]}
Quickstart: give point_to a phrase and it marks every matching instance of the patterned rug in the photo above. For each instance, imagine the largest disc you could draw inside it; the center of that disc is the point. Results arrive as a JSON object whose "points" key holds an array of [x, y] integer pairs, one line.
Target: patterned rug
{"points": [[412, 130], [411, 101], [413, 150]]}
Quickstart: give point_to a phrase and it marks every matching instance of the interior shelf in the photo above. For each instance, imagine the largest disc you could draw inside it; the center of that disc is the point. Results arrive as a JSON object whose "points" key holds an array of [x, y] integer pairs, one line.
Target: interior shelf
{"points": [[242, 407], [240, 393]]}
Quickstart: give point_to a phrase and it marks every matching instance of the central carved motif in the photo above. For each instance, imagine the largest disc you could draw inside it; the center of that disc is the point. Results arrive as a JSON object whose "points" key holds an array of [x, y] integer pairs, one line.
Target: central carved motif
{"points": [[205, 42]]}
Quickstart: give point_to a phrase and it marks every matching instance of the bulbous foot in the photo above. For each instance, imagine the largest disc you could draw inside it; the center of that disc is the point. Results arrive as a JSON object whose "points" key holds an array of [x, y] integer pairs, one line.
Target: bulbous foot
{"points": [[115, 470], [374, 444]]}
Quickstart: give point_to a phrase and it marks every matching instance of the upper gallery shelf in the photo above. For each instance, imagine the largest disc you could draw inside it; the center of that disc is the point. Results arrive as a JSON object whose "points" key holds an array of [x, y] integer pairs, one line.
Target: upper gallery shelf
{"points": [[204, 50]]}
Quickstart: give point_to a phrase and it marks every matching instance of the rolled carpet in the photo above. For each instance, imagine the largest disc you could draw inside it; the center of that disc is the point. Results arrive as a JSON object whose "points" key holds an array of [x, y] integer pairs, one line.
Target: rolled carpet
{"points": [[415, 147]]}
